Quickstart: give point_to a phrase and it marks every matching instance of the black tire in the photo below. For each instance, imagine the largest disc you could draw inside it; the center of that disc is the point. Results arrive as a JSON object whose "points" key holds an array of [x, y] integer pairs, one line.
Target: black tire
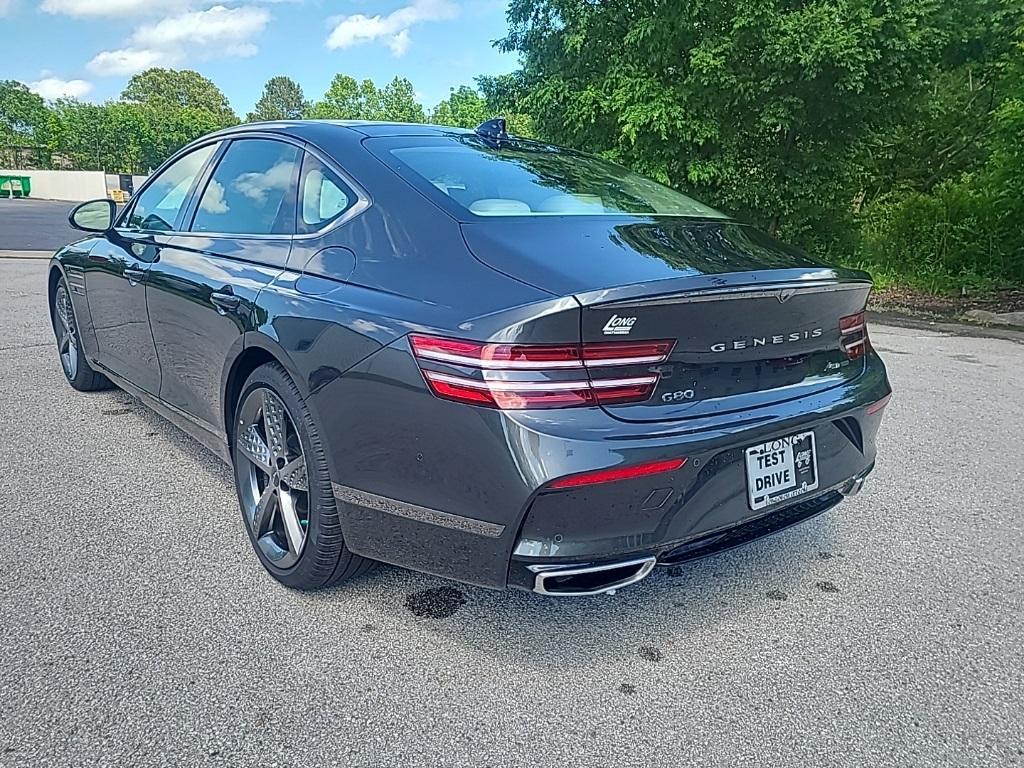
{"points": [[76, 368], [323, 559]]}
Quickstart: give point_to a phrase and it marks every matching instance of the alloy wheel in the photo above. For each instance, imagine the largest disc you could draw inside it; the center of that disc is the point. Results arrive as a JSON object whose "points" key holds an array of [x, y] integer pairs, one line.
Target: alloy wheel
{"points": [[272, 478], [67, 335]]}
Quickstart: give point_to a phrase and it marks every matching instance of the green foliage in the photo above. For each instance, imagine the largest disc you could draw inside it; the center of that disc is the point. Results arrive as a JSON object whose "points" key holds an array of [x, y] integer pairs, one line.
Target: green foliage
{"points": [[399, 104], [464, 108], [183, 88], [22, 112], [864, 131], [282, 99], [122, 137], [966, 230], [347, 100], [506, 96], [755, 106]]}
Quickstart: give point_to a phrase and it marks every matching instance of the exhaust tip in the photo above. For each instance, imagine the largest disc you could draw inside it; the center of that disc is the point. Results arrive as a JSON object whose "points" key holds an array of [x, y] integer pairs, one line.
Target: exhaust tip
{"points": [[853, 487], [583, 581]]}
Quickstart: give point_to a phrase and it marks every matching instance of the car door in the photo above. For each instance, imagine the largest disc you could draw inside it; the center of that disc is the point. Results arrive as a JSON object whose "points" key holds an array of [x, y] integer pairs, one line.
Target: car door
{"points": [[202, 290], [119, 265]]}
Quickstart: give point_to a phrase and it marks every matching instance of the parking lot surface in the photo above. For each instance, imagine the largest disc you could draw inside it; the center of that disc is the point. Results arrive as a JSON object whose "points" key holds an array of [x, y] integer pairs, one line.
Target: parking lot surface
{"points": [[35, 225], [137, 628]]}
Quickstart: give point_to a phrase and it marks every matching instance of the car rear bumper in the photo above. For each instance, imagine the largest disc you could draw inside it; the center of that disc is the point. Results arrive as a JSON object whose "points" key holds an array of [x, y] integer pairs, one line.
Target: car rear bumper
{"points": [[465, 492], [606, 574]]}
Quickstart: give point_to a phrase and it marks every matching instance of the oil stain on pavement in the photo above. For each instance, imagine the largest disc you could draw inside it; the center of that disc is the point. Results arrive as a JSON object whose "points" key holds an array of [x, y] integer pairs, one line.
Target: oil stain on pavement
{"points": [[438, 603]]}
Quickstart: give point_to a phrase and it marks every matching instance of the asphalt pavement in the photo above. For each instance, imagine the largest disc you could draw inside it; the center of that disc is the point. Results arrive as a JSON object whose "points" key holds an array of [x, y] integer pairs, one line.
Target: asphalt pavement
{"points": [[137, 627], [35, 225]]}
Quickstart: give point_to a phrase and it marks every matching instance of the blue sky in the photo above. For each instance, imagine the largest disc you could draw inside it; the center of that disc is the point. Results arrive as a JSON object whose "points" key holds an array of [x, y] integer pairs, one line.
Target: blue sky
{"points": [[89, 48]]}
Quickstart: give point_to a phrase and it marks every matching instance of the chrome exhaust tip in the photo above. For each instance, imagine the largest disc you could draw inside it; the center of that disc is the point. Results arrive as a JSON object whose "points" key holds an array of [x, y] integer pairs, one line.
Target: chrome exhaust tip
{"points": [[853, 487], [582, 581]]}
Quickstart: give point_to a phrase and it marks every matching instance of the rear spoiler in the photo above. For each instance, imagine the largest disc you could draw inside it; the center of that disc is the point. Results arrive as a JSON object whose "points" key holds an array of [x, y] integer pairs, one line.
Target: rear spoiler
{"points": [[721, 286]]}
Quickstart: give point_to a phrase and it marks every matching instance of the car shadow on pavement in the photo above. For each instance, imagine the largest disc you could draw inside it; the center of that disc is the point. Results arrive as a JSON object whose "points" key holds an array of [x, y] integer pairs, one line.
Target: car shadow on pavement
{"points": [[541, 631], [750, 584]]}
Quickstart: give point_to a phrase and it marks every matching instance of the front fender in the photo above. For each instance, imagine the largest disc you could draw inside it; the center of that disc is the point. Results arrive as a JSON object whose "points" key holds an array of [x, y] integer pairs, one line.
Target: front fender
{"points": [[70, 263]]}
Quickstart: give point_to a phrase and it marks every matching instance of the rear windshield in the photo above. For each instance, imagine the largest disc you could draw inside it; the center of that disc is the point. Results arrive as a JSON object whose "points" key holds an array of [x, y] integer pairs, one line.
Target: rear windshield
{"points": [[522, 178]]}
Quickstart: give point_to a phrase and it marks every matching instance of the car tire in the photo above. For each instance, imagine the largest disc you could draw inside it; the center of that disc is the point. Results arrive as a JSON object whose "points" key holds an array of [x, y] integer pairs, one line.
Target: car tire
{"points": [[284, 486], [76, 368]]}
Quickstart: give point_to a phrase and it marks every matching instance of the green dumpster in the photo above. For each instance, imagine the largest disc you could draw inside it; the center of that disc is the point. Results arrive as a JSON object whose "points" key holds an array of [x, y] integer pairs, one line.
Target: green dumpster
{"points": [[15, 186]]}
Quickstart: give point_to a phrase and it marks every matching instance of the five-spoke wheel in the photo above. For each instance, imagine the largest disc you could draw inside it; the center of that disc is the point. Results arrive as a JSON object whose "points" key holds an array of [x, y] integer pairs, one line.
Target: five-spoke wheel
{"points": [[274, 487], [67, 335], [79, 373], [284, 485]]}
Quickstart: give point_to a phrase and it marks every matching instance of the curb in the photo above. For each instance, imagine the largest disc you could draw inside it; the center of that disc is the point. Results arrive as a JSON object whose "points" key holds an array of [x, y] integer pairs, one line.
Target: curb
{"points": [[25, 254], [949, 327]]}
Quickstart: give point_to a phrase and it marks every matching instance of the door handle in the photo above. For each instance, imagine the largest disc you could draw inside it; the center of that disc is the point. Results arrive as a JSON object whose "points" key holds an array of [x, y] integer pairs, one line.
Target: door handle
{"points": [[224, 302], [134, 275]]}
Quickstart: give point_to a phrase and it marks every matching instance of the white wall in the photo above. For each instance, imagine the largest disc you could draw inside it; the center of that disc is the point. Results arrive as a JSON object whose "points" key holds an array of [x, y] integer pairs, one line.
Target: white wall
{"points": [[113, 181], [64, 185]]}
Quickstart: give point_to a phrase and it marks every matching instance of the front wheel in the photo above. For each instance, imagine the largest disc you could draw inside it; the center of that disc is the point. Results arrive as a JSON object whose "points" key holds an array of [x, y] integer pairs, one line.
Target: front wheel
{"points": [[77, 370], [284, 487]]}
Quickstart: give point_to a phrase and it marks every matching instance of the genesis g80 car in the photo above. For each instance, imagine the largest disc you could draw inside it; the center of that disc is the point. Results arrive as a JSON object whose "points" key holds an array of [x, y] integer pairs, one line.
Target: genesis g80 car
{"points": [[486, 358]]}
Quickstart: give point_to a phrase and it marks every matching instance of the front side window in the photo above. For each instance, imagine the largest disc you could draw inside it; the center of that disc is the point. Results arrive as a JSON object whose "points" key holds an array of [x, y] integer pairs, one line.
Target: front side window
{"points": [[252, 190], [323, 196], [526, 178], [157, 207]]}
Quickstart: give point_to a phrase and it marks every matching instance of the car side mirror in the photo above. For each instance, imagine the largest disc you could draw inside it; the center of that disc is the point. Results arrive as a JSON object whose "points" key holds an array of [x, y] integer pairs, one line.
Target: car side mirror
{"points": [[93, 216]]}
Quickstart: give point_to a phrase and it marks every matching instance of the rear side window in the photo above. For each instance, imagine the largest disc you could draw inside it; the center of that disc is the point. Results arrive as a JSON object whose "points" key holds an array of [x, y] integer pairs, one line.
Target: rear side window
{"points": [[156, 208], [252, 190], [323, 196]]}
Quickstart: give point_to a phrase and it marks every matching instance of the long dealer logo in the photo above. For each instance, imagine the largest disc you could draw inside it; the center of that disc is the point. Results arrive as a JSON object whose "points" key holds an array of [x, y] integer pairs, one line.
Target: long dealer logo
{"points": [[764, 341], [619, 326]]}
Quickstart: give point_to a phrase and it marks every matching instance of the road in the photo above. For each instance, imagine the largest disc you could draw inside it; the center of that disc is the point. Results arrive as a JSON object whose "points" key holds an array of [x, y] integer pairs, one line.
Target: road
{"points": [[35, 225], [137, 628]]}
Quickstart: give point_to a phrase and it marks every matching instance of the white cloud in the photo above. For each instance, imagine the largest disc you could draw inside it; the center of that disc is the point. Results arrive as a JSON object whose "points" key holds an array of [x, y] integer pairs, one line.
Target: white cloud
{"points": [[216, 26], [6, 6], [255, 186], [55, 88], [213, 198], [392, 29], [214, 33], [119, 8], [128, 61]]}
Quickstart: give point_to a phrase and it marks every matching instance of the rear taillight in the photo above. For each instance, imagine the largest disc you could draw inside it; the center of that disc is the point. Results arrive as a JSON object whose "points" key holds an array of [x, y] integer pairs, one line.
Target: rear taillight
{"points": [[522, 376], [853, 335]]}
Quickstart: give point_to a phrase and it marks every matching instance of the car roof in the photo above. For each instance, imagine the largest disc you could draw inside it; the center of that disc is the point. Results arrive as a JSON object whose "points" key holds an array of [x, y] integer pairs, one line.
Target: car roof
{"points": [[364, 127]]}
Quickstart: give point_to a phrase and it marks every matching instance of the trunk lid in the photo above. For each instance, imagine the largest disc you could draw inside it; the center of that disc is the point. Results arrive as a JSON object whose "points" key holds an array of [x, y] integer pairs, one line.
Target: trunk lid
{"points": [[736, 347], [753, 321]]}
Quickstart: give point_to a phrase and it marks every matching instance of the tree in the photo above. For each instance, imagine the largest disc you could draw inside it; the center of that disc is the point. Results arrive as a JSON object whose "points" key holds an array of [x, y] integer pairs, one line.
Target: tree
{"points": [[346, 99], [282, 99], [399, 104], [756, 107], [506, 96], [21, 111], [464, 108], [966, 229], [179, 88], [125, 137]]}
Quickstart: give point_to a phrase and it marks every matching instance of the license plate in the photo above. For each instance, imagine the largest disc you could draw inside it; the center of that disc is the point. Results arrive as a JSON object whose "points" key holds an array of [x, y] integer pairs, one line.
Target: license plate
{"points": [[781, 469]]}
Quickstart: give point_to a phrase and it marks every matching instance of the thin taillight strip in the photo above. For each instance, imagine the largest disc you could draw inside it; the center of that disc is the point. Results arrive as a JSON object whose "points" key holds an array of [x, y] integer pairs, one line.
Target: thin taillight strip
{"points": [[538, 386], [852, 329], [476, 362], [625, 361], [853, 344]]}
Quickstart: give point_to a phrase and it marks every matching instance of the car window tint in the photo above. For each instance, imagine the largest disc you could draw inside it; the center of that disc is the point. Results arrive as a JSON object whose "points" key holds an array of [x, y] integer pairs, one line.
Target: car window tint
{"points": [[526, 178], [252, 190], [157, 206], [323, 196]]}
